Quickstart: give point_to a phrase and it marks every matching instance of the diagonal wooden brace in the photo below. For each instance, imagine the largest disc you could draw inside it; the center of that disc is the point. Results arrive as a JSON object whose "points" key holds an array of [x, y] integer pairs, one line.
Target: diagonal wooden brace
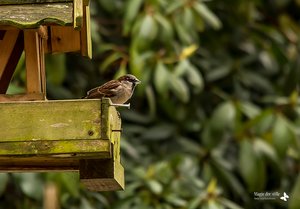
{"points": [[12, 46]]}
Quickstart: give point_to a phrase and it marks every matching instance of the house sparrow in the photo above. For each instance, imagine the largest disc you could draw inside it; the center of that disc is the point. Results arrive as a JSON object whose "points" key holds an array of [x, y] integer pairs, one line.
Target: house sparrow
{"points": [[119, 91]]}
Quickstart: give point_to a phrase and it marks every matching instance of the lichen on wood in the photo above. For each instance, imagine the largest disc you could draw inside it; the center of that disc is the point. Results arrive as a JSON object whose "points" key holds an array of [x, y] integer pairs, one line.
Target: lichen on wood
{"points": [[33, 15]]}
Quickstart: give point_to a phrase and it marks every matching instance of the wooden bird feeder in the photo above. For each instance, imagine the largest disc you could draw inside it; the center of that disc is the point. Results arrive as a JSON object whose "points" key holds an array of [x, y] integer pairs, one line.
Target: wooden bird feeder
{"points": [[59, 135]]}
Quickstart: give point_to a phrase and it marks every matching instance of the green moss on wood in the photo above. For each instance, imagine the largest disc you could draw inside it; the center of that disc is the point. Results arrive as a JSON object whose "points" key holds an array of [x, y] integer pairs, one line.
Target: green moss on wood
{"points": [[3, 2], [58, 127], [31, 16]]}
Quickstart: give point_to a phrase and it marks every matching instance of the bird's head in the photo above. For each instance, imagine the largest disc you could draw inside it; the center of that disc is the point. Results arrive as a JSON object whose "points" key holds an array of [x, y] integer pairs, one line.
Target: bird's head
{"points": [[129, 78]]}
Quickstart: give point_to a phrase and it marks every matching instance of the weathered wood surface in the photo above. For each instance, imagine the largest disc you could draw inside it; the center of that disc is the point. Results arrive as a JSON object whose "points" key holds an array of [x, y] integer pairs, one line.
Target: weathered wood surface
{"points": [[21, 97], [62, 39], [35, 66], [40, 164], [31, 16], [63, 135], [64, 148], [86, 39], [102, 175], [78, 14], [50, 120], [11, 45], [3, 2]]}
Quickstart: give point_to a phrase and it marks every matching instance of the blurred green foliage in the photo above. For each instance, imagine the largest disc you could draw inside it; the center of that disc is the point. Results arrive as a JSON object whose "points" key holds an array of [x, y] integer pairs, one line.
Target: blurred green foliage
{"points": [[215, 118]]}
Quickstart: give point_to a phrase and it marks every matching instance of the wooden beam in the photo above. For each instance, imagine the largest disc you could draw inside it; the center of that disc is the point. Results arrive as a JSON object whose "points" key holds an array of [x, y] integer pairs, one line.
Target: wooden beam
{"points": [[28, 16], [21, 97], [62, 39], [35, 68], [52, 120], [101, 175], [38, 164], [11, 50], [78, 14], [63, 148], [85, 33]]}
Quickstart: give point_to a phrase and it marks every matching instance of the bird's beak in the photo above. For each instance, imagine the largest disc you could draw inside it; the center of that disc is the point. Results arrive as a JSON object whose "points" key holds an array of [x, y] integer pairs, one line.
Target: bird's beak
{"points": [[138, 81]]}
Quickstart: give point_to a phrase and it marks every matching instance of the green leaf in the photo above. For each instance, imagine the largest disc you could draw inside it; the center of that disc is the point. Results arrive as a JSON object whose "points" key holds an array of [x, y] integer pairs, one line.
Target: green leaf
{"points": [[229, 204], [31, 185], [265, 149], [15, 89], [294, 201], [223, 117], [188, 19], [219, 72], [282, 135], [167, 31], [161, 78], [252, 167], [158, 132], [195, 78], [70, 181], [183, 34], [212, 204], [132, 9], [4, 178], [85, 204], [110, 61], [207, 15], [249, 109], [148, 28], [154, 186], [175, 200], [56, 68], [174, 5], [180, 89]]}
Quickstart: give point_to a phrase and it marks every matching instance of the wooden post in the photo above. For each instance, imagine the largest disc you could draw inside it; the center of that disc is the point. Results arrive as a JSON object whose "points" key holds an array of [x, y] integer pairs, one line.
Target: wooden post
{"points": [[35, 66]]}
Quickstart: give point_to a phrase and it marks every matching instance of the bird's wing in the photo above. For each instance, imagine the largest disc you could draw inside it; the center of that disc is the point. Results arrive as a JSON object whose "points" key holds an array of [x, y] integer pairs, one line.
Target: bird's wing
{"points": [[106, 90]]}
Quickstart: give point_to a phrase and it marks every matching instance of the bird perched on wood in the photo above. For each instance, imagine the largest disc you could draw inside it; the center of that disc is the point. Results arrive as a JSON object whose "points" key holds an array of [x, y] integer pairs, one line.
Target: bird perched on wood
{"points": [[119, 91]]}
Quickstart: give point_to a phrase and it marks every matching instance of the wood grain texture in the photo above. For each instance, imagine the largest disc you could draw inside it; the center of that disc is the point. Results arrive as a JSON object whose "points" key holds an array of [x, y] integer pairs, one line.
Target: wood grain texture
{"points": [[62, 39], [63, 135], [12, 46], [63, 148], [78, 14], [86, 39], [33, 58], [50, 120], [21, 97], [102, 175], [38, 164], [3, 2], [33, 15]]}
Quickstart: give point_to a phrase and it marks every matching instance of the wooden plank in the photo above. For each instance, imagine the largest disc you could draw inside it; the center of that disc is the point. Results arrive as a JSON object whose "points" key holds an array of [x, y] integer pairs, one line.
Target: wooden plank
{"points": [[7, 45], [40, 164], [21, 97], [43, 36], [101, 175], [34, 15], [50, 120], [64, 148], [11, 50], [111, 120], [34, 62], [3, 2], [86, 39], [62, 39], [78, 14]]}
